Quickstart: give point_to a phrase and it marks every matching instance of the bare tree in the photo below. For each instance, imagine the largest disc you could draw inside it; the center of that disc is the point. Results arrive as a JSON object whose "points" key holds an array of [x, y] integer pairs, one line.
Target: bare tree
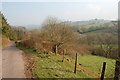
{"points": [[107, 43], [53, 30]]}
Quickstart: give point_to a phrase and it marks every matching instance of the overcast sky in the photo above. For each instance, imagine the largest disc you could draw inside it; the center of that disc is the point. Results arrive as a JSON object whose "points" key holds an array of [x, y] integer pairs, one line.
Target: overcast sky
{"points": [[34, 13]]}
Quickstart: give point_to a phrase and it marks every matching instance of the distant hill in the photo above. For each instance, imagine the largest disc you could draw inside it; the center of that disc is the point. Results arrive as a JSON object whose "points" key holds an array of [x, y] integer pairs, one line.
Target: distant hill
{"points": [[89, 22], [78, 23], [95, 26], [108, 27], [84, 26], [31, 27]]}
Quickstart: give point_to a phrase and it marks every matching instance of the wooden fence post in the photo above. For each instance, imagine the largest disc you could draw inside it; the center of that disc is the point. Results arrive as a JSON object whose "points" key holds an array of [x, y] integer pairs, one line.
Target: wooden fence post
{"points": [[63, 55], [117, 70], [103, 71], [56, 50], [75, 64]]}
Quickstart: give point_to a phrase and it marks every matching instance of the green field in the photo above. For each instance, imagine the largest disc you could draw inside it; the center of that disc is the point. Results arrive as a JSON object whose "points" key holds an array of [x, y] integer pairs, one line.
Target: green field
{"points": [[51, 66], [95, 63]]}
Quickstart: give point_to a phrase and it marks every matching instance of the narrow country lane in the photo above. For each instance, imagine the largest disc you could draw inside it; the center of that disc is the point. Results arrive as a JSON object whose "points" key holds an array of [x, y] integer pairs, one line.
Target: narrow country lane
{"points": [[12, 63]]}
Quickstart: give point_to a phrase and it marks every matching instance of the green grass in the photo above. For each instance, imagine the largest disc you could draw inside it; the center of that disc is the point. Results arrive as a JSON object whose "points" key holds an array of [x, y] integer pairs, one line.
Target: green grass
{"points": [[54, 68], [27, 50], [51, 65], [95, 63]]}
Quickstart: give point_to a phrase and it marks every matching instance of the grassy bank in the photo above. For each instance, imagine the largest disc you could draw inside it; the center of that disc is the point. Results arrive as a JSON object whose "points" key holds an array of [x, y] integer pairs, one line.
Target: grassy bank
{"points": [[51, 66]]}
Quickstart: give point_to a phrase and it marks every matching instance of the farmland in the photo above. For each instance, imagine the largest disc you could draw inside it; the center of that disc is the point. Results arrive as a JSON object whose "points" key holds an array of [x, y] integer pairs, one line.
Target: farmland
{"points": [[95, 63]]}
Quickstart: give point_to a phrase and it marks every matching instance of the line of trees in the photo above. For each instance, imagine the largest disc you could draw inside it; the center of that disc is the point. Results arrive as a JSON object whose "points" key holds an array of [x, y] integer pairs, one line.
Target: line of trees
{"points": [[12, 33], [6, 28]]}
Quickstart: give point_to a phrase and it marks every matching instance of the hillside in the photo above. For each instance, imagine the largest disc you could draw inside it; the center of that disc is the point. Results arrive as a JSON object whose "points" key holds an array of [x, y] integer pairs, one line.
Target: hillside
{"points": [[6, 29], [6, 32], [46, 46], [95, 26], [9, 33], [43, 66], [102, 27], [95, 63]]}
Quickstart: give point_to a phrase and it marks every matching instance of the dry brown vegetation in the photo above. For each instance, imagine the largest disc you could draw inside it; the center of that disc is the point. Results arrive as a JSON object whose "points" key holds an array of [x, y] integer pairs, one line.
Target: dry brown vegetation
{"points": [[55, 33], [56, 36], [5, 41]]}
